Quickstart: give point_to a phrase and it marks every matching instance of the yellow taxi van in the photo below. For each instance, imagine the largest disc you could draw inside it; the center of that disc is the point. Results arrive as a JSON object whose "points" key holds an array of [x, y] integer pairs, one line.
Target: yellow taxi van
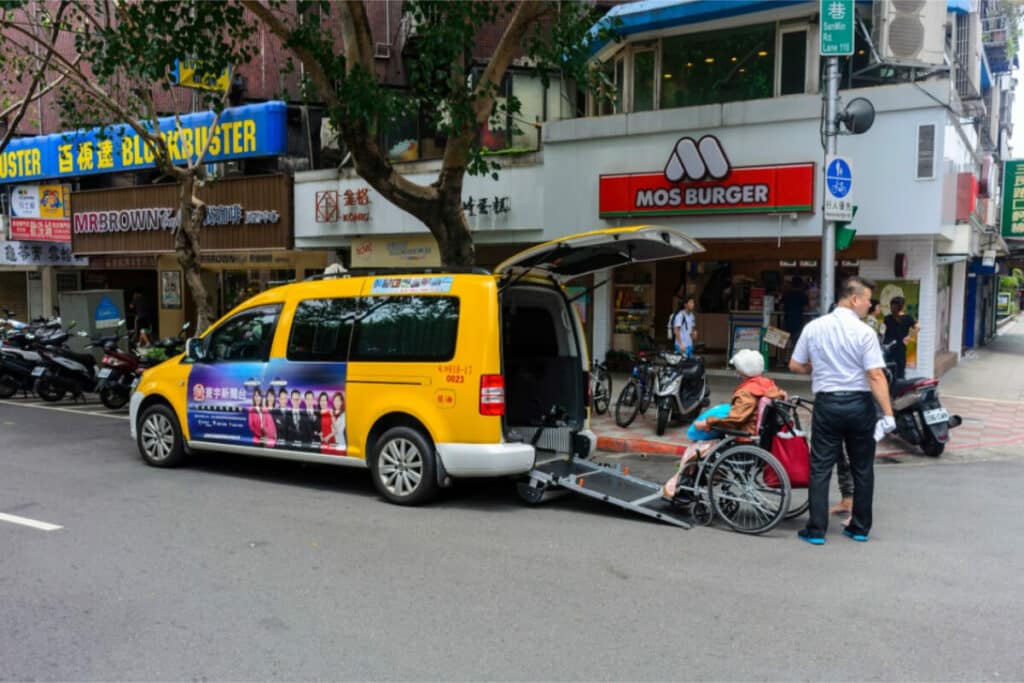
{"points": [[420, 377]]}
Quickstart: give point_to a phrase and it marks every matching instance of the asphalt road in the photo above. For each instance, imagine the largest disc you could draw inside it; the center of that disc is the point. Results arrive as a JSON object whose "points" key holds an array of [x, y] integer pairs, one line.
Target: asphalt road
{"points": [[254, 569]]}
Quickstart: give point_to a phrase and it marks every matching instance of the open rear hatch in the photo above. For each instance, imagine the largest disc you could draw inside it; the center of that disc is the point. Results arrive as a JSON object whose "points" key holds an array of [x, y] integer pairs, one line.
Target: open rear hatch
{"points": [[542, 341]]}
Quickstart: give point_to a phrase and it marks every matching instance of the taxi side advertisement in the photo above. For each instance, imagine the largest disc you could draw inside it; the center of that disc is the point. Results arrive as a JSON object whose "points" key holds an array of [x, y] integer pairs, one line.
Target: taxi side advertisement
{"points": [[41, 213]]}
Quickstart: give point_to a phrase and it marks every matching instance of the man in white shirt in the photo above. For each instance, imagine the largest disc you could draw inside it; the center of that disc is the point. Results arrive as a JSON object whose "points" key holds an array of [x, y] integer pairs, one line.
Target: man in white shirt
{"points": [[684, 327], [844, 359]]}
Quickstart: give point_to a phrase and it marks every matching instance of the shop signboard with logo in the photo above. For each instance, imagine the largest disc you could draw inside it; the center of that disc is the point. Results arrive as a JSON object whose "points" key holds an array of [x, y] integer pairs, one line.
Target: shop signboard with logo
{"points": [[40, 213], [1013, 199], [398, 251], [242, 214], [698, 179], [253, 130]]}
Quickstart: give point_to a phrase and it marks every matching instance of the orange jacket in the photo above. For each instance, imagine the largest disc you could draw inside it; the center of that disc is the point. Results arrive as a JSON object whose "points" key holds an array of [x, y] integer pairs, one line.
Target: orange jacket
{"points": [[743, 414]]}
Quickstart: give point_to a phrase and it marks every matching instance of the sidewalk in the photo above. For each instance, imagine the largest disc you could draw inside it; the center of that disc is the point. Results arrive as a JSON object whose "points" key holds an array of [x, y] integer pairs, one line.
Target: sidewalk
{"points": [[993, 372]]}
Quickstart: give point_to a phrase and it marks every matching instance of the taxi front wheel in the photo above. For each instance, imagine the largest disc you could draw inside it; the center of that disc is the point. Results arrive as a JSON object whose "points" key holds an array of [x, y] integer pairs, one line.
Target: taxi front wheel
{"points": [[404, 467], [160, 441]]}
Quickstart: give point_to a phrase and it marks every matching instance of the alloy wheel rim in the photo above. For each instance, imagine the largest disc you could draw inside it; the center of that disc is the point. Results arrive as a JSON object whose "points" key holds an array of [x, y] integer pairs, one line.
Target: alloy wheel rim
{"points": [[400, 467], [157, 437]]}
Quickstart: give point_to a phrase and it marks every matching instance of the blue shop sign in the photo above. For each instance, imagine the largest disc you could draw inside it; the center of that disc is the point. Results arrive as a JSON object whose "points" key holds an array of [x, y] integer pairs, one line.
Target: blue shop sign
{"points": [[253, 130]]}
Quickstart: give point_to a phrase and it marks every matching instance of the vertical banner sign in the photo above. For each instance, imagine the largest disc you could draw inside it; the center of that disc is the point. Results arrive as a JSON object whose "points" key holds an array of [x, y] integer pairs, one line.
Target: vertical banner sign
{"points": [[1013, 199], [838, 189], [837, 22]]}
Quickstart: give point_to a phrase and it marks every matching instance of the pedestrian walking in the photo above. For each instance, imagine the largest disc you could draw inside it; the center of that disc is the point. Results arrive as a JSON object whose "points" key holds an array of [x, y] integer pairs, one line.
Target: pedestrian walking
{"points": [[794, 304], [845, 362], [684, 326], [143, 317], [899, 328]]}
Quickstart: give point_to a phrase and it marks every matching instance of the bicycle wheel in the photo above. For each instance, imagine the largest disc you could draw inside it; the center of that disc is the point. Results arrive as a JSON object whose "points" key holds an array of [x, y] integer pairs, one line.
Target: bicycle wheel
{"points": [[602, 390], [740, 495], [627, 405]]}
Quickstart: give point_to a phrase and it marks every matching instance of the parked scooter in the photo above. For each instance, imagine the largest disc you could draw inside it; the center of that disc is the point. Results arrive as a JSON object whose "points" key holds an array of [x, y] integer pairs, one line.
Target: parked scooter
{"points": [[19, 355], [64, 371], [920, 418], [120, 370], [680, 389]]}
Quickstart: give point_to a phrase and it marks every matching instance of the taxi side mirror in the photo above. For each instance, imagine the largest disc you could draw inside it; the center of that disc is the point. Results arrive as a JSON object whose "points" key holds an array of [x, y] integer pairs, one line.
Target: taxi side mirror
{"points": [[195, 349]]}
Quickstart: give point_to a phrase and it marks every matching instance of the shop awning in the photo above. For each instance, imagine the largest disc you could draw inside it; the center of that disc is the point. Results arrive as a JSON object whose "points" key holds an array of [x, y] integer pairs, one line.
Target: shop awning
{"points": [[652, 15]]}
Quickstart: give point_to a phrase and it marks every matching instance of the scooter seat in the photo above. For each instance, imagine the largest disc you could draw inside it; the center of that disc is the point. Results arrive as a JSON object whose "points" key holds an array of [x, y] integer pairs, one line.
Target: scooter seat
{"points": [[85, 359]]}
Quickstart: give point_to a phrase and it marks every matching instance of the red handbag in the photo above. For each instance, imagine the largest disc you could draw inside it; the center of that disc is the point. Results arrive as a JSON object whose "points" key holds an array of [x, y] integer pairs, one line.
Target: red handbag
{"points": [[791, 450]]}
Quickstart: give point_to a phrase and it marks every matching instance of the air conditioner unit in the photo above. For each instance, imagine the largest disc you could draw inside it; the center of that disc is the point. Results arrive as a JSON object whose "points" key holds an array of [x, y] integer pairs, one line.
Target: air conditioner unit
{"points": [[910, 32], [381, 51]]}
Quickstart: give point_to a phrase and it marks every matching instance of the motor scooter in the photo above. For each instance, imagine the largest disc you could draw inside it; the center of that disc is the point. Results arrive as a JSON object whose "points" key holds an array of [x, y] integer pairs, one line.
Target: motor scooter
{"points": [[120, 369], [64, 371], [680, 389], [920, 418], [20, 356]]}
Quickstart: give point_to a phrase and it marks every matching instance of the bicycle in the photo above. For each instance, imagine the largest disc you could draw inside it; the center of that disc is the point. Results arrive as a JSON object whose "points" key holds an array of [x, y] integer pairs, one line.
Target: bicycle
{"points": [[600, 387], [636, 396]]}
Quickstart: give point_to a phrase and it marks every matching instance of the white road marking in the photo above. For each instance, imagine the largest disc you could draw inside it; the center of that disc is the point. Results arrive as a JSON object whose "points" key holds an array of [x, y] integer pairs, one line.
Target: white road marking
{"points": [[50, 406], [25, 521]]}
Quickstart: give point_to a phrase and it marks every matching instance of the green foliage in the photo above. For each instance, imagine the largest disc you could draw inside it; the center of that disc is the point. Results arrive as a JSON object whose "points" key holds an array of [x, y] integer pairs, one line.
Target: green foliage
{"points": [[443, 78], [1008, 283]]}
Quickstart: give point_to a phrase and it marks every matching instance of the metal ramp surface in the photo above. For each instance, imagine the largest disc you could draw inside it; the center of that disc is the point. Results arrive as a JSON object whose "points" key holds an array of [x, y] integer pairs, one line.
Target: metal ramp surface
{"points": [[601, 482]]}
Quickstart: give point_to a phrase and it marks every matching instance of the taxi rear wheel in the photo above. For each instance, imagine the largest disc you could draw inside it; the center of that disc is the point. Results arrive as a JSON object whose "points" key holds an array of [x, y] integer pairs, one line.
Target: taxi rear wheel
{"points": [[403, 466], [160, 442]]}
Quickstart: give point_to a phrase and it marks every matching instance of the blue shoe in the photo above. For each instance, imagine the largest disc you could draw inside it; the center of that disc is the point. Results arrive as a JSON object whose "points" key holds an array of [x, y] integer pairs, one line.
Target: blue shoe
{"points": [[861, 538], [813, 540]]}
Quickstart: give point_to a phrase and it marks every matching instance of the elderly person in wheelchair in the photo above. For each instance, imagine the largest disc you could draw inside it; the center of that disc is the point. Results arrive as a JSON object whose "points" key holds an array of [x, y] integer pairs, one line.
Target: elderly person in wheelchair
{"points": [[741, 422]]}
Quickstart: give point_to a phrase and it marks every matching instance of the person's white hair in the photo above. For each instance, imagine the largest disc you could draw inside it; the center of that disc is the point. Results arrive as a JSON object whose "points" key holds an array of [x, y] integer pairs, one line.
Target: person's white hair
{"points": [[748, 362]]}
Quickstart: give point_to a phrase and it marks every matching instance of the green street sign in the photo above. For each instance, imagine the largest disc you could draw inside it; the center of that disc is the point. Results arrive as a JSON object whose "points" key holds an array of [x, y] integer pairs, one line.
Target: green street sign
{"points": [[1013, 199], [837, 22]]}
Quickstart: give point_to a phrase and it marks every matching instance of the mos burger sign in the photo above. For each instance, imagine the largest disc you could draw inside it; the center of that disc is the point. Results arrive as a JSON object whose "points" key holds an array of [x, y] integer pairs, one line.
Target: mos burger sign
{"points": [[699, 179]]}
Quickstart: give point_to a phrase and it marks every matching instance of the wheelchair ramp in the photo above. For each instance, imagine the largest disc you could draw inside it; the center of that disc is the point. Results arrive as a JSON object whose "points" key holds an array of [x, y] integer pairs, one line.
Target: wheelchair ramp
{"points": [[604, 483]]}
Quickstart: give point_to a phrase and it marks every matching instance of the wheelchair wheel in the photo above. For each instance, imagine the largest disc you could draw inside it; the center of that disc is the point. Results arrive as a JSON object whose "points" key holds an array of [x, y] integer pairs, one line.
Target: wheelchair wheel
{"points": [[740, 495], [627, 405], [799, 503]]}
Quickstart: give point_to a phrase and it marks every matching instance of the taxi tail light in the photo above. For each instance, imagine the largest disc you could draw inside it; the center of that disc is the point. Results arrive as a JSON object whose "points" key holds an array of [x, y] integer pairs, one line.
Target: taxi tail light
{"points": [[492, 395]]}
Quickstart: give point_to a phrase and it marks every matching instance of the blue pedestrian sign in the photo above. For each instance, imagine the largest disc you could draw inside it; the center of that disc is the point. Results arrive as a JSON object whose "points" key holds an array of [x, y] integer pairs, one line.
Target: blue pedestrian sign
{"points": [[838, 189]]}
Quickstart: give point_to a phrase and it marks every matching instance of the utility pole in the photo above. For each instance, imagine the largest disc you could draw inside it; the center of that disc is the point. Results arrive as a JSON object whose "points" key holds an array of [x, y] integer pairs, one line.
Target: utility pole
{"points": [[828, 228]]}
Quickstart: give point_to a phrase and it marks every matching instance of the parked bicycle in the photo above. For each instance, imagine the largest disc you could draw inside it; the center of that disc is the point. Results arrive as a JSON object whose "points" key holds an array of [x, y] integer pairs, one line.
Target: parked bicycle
{"points": [[636, 396], [600, 387]]}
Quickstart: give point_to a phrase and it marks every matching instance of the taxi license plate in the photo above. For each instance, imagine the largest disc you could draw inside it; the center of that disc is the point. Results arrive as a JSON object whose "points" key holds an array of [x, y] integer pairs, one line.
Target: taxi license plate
{"points": [[38, 371], [105, 372], [935, 416]]}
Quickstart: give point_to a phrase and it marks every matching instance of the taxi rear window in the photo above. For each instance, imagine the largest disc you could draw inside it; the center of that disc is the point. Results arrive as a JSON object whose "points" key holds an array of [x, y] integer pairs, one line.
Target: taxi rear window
{"points": [[406, 328]]}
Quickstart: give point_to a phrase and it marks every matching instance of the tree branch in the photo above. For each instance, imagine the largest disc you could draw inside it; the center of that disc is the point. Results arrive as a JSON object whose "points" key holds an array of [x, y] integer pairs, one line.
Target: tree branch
{"points": [[30, 94]]}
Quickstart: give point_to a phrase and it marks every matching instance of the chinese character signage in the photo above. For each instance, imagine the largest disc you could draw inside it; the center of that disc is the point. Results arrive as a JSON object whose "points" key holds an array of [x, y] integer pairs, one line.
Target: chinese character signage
{"points": [[395, 252], [348, 206], [249, 131], [17, 253], [1013, 199], [40, 213], [837, 17], [483, 206]]}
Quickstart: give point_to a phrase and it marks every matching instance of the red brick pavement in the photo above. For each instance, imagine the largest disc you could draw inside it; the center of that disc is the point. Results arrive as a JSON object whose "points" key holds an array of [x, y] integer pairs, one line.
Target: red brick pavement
{"points": [[986, 423]]}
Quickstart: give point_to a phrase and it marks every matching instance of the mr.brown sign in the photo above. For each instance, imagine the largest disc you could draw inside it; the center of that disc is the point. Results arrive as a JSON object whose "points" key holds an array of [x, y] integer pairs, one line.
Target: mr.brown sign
{"points": [[242, 214]]}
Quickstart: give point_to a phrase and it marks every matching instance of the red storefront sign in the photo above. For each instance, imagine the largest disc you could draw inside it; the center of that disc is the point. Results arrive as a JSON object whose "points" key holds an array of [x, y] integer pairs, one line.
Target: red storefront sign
{"points": [[752, 189], [41, 229]]}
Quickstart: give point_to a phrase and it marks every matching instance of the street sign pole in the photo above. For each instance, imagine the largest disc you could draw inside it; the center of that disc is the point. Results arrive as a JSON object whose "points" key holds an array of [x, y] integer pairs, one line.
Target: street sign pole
{"points": [[828, 229]]}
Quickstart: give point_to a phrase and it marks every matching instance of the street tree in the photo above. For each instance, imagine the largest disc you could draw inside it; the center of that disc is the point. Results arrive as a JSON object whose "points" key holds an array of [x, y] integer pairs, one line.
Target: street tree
{"points": [[115, 65], [446, 86]]}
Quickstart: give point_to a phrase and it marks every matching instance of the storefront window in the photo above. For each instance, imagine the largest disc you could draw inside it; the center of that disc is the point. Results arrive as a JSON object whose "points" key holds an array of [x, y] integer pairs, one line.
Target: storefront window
{"points": [[401, 138], [529, 90], [793, 70], [718, 66], [643, 79]]}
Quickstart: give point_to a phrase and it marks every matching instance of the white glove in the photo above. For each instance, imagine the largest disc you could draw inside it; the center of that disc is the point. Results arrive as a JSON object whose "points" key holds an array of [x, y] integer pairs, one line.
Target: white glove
{"points": [[885, 424]]}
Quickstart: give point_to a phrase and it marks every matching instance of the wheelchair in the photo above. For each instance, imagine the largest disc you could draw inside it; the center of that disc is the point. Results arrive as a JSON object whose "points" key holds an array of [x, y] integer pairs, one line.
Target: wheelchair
{"points": [[739, 480]]}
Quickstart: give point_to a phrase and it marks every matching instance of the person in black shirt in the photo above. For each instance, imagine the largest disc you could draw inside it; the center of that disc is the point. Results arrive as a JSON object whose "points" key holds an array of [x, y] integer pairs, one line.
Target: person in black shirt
{"points": [[794, 303], [898, 328]]}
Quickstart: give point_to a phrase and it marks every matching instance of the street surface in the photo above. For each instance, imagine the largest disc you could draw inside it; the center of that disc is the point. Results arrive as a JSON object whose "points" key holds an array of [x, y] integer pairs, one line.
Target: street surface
{"points": [[249, 569]]}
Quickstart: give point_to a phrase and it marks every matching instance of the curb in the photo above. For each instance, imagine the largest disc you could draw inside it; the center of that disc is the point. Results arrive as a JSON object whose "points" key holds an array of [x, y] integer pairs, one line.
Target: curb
{"points": [[628, 445]]}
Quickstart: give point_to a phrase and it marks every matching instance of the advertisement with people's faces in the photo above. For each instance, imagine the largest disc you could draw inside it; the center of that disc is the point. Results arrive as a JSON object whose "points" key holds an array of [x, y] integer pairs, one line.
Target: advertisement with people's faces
{"points": [[281, 404]]}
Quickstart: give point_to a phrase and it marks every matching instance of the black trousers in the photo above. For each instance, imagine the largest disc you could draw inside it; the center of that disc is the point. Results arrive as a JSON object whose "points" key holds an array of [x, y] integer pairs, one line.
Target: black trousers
{"points": [[846, 418], [899, 356]]}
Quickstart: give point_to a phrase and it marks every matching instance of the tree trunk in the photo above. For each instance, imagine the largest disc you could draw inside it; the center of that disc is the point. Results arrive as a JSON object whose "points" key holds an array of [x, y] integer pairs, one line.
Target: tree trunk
{"points": [[186, 246], [454, 240]]}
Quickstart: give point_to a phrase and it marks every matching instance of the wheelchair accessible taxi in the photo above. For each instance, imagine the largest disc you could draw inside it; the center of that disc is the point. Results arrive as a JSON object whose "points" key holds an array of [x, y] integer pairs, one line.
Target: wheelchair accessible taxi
{"points": [[748, 480]]}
